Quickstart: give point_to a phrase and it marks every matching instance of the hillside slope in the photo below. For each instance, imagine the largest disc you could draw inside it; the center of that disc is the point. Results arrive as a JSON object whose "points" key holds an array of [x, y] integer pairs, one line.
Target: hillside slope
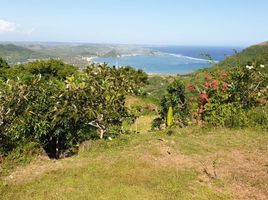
{"points": [[192, 164], [258, 53], [13, 53]]}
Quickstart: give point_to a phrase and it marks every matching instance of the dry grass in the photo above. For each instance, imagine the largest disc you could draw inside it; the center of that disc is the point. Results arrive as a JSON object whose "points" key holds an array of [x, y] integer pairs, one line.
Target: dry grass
{"points": [[153, 166]]}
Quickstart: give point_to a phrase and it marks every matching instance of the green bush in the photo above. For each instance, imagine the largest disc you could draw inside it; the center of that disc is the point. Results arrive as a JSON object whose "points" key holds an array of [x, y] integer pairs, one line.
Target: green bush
{"points": [[48, 69], [258, 117], [174, 97], [225, 115], [59, 111]]}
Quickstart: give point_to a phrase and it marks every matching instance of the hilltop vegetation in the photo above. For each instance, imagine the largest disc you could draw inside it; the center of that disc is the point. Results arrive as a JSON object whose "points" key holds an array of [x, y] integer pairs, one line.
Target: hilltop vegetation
{"points": [[256, 53], [13, 53], [70, 106], [57, 106], [134, 136]]}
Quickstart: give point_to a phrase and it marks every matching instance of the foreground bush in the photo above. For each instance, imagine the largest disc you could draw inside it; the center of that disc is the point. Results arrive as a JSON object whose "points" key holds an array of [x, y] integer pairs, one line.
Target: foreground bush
{"points": [[59, 112]]}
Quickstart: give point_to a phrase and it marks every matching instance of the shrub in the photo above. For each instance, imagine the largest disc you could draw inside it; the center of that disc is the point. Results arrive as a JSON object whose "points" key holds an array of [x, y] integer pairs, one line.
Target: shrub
{"points": [[175, 97], [258, 117], [224, 99], [59, 113], [226, 114]]}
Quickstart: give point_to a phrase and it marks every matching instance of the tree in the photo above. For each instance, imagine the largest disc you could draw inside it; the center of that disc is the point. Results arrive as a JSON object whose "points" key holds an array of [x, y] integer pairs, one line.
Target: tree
{"points": [[3, 67], [48, 69], [174, 98], [59, 114]]}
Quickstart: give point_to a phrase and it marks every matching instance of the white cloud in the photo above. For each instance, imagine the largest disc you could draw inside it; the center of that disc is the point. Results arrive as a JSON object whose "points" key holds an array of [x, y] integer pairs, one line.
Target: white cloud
{"points": [[6, 26]]}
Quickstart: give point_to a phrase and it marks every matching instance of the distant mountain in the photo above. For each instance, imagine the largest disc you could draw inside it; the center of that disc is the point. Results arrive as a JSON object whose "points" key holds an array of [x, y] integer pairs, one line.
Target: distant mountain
{"points": [[112, 53], [71, 53], [14, 54]]}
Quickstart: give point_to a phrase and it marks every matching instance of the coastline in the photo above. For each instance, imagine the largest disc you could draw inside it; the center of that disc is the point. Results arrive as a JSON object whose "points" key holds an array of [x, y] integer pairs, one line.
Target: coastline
{"points": [[156, 63]]}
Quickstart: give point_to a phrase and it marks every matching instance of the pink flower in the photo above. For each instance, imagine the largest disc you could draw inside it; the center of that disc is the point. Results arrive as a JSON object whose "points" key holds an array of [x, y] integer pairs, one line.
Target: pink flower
{"points": [[201, 109], [225, 85], [207, 85], [208, 77], [203, 96], [215, 84]]}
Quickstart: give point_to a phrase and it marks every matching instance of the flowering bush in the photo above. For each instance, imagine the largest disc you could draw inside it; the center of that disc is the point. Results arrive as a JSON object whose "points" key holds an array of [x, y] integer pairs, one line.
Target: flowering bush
{"points": [[224, 99], [249, 85]]}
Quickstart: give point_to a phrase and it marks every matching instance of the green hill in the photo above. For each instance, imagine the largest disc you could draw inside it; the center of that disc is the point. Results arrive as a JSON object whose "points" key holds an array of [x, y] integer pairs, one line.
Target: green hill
{"points": [[13, 53], [258, 53]]}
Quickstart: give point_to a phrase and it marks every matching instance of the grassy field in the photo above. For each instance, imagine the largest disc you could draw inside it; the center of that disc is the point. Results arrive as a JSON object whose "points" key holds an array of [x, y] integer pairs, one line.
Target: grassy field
{"points": [[193, 163]]}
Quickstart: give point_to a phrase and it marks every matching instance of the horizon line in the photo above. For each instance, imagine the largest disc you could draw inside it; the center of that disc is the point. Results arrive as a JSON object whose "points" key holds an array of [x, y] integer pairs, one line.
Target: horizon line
{"points": [[134, 44]]}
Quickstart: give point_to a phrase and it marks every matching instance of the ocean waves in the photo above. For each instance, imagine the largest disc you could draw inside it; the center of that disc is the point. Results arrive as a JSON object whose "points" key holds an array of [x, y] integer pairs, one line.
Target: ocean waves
{"points": [[190, 58]]}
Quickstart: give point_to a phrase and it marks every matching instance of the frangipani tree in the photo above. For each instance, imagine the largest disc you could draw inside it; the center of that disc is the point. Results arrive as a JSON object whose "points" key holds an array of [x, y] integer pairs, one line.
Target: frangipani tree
{"points": [[59, 114]]}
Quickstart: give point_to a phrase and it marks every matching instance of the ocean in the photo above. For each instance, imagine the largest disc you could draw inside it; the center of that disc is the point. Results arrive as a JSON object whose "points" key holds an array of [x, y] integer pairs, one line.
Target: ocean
{"points": [[172, 59]]}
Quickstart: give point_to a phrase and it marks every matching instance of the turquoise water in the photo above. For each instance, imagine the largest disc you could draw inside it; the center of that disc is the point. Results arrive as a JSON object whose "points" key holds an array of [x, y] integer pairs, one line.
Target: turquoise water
{"points": [[165, 64], [174, 60]]}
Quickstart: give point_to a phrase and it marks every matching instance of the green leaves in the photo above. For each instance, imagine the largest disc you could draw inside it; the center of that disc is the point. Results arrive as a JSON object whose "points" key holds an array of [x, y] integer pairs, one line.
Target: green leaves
{"points": [[56, 109], [175, 100]]}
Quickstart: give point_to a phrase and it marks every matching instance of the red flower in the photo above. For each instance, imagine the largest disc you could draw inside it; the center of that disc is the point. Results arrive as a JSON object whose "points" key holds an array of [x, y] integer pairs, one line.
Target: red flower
{"points": [[208, 77], [201, 109], [191, 86], [215, 84], [203, 96], [207, 85], [224, 85]]}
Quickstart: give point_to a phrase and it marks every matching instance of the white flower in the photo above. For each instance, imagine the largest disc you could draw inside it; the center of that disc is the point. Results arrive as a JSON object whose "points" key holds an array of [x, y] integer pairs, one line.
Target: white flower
{"points": [[249, 67], [261, 66], [259, 94]]}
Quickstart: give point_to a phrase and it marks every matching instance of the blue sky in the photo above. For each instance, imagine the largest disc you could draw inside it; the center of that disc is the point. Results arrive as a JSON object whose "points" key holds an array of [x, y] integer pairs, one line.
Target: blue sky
{"points": [[168, 22]]}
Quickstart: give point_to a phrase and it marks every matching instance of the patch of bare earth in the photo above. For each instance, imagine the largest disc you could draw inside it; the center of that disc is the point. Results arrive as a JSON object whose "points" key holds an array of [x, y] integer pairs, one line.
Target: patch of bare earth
{"points": [[165, 156], [244, 174]]}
